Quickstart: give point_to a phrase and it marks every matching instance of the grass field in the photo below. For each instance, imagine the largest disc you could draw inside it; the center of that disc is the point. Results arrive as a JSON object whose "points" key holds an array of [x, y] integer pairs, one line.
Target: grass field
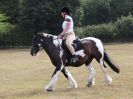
{"points": [[24, 77]]}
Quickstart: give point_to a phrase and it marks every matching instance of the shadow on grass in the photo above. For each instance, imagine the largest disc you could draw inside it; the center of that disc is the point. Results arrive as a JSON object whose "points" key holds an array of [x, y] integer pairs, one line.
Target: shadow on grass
{"points": [[39, 92]]}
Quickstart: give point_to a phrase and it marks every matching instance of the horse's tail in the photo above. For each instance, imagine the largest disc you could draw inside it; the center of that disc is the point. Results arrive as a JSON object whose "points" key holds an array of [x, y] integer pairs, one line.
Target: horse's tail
{"points": [[110, 63]]}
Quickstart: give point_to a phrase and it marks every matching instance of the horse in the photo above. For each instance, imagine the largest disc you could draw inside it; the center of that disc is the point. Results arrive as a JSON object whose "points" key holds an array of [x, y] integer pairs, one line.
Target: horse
{"points": [[92, 48]]}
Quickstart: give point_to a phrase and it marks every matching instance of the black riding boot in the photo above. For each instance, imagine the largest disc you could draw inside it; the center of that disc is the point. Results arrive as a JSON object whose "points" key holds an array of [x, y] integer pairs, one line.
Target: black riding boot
{"points": [[74, 58]]}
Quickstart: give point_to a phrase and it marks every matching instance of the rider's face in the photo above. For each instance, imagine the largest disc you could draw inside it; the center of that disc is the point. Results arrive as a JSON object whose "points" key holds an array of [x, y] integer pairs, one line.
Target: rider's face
{"points": [[63, 14]]}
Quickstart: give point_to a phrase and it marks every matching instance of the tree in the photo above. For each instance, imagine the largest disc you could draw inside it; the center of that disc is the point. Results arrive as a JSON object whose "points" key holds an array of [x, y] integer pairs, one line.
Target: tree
{"points": [[96, 12], [121, 8], [10, 8], [44, 15]]}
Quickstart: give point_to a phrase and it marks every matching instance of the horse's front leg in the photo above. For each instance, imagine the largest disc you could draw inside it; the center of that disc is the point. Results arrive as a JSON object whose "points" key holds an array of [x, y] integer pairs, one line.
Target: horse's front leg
{"points": [[50, 86], [71, 80]]}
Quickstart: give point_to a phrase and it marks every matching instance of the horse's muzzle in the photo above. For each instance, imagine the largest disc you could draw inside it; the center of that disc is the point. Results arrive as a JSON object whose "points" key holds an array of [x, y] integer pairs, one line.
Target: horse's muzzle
{"points": [[33, 54]]}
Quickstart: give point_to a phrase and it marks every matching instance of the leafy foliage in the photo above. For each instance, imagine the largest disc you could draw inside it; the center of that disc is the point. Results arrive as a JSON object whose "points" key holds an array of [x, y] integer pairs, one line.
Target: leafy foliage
{"points": [[124, 28], [103, 31], [5, 27], [121, 30], [96, 12], [121, 8], [19, 19], [44, 15], [10, 8]]}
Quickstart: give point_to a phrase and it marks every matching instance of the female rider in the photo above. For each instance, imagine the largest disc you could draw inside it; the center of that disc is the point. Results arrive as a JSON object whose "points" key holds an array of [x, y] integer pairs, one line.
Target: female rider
{"points": [[68, 32]]}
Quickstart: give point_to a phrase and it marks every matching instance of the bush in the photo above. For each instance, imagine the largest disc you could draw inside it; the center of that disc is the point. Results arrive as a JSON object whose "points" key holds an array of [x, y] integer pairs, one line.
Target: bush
{"points": [[121, 30], [105, 32], [124, 28]]}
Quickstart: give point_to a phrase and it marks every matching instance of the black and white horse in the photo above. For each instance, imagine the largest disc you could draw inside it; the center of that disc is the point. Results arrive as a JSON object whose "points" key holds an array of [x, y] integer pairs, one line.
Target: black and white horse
{"points": [[92, 48]]}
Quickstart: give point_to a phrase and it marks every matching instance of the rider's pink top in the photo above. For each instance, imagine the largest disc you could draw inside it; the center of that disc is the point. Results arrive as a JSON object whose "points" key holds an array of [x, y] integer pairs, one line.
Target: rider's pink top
{"points": [[70, 29]]}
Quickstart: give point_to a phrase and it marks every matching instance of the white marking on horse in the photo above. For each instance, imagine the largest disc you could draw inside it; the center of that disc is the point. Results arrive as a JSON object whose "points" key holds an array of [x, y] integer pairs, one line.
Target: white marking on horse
{"points": [[39, 44], [91, 76], [72, 81], [53, 80], [80, 53], [61, 54], [45, 34], [57, 41], [108, 79], [98, 44]]}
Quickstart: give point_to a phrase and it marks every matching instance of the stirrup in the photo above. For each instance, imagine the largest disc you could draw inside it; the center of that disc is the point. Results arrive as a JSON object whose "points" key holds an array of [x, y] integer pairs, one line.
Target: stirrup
{"points": [[74, 59]]}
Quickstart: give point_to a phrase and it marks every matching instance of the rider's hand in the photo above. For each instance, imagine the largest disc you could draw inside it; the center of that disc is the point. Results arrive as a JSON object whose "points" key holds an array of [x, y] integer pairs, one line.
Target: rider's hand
{"points": [[60, 36]]}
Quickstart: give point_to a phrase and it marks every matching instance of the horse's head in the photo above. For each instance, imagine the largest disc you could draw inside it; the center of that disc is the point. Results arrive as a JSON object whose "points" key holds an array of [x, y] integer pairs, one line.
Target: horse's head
{"points": [[36, 44], [40, 40], [45, 41]]}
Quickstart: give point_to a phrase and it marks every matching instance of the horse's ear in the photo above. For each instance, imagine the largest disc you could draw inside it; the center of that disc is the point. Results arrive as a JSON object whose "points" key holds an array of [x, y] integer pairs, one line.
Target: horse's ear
{"points": [[35, 33]]}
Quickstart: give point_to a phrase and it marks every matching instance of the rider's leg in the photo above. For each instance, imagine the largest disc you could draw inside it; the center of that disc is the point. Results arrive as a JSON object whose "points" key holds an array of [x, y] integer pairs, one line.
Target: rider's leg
{"points": [[69, 41]]}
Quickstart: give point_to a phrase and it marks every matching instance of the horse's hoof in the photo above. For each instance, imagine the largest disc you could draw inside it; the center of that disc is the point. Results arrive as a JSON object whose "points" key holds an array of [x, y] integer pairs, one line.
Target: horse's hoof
{"points": [[90, 84], [108, 80], [49, 90]]}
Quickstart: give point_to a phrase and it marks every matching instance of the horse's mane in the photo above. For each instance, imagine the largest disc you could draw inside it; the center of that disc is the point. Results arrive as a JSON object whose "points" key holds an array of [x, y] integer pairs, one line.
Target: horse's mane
{"points": [[46, 34]]}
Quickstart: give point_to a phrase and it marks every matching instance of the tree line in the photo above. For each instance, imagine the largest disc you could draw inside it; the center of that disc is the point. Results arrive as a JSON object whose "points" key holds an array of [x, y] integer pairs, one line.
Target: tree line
{"points": [[20, 19]]}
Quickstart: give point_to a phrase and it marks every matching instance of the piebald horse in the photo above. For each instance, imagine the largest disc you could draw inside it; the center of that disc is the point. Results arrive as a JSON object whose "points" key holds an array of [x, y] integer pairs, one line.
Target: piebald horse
{"points": [[92, 49]]}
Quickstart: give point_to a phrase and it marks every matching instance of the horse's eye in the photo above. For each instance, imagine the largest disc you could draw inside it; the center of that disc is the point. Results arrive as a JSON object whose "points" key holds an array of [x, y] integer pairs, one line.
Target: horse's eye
{"points": [[39, 45]]}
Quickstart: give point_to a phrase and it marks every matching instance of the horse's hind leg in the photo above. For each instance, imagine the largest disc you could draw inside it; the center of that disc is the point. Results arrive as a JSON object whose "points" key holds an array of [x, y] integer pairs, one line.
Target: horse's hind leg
{"points": [[99, 58], [91, 78], [108, 79], [72, 81]]}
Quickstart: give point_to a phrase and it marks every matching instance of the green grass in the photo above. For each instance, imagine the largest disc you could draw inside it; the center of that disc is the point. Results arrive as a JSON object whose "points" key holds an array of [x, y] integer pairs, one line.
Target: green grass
{"points": [[24, 77]]}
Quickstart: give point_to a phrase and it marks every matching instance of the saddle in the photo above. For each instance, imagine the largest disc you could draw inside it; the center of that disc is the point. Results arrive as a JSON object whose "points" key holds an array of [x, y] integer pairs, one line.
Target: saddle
{"points": [[77, 45]]}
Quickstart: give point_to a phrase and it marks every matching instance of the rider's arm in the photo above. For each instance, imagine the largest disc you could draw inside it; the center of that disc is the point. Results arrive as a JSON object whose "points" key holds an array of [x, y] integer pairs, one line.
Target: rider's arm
{"points": [[68, 22]]}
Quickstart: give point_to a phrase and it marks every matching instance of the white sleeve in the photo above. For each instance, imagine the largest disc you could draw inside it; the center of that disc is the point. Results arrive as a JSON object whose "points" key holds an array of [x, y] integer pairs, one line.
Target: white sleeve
{"points": [[69, 18]]}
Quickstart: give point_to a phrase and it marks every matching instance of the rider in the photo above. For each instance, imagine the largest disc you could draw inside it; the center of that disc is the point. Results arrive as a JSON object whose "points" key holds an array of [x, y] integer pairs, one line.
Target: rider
{"points": [[68, 32]]}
